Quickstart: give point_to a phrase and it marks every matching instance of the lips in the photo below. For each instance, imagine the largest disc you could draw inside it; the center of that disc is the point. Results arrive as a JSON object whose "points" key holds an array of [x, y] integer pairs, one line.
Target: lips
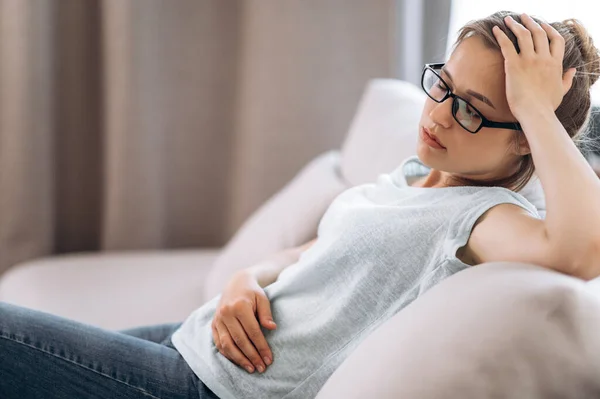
{"points": [[428, 132]]}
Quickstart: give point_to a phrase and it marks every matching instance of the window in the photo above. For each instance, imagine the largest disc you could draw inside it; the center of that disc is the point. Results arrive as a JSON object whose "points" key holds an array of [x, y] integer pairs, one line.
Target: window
{"points": [[585, 11]]}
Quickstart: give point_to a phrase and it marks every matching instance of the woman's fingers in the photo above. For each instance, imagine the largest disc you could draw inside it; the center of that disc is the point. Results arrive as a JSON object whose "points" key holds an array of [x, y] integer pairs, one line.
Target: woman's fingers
{"points": [[557, 42], [243, 343], [532, 37], [263, 311], [253, 331], [506, 47], [215, 335], [236, 331], [230, 350], [540, 38], [523, 35]]}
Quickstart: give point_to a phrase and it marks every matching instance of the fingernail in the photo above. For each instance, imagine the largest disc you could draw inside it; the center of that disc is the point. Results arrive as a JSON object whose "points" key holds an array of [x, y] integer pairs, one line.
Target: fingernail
{"points": [[260, 368], [267, 360], [250, 369]]}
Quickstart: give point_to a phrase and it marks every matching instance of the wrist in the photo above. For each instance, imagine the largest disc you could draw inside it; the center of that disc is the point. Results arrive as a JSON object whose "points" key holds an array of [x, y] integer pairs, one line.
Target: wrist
{"points": [[535, 115], [251, 273], [264, 273], [533, 109]]}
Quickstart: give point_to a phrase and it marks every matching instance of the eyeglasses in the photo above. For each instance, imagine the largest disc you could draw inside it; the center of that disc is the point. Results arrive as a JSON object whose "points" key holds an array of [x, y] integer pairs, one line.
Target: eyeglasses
{"points": [[463, 112]]}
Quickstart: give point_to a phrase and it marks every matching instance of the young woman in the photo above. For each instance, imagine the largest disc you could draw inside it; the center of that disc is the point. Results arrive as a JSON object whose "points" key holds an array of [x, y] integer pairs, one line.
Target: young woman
{"points": [[511, 99]]}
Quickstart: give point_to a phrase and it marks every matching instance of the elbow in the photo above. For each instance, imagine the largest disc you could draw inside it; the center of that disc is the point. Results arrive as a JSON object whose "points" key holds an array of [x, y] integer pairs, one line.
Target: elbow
{"points": [[586, 266]]}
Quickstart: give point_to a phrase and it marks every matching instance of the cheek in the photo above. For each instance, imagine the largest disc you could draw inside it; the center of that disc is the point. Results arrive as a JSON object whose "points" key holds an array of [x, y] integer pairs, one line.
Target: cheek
{"points": [[484, 148], [428, 108]]}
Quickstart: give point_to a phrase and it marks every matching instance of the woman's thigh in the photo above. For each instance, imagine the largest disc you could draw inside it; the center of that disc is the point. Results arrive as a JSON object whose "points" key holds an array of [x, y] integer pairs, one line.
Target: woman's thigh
{"points": [[158, 333], [46, 356]]}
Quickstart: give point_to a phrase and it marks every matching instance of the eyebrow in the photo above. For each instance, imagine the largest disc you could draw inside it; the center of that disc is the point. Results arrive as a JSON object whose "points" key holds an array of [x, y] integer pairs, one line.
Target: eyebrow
{"points": [[476, 95]]}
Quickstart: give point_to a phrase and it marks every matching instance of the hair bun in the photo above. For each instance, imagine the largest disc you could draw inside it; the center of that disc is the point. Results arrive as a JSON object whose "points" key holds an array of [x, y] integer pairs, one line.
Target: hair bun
{"points": [[589, 52]]}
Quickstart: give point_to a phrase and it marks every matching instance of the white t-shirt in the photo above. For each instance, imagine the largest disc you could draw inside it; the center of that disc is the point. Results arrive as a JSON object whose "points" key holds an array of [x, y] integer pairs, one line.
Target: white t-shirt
{"points": [[380, 246]]}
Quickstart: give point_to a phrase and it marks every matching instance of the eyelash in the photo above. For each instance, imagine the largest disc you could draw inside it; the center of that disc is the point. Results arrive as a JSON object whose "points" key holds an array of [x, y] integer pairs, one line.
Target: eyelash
{"points": [[469, 108]]}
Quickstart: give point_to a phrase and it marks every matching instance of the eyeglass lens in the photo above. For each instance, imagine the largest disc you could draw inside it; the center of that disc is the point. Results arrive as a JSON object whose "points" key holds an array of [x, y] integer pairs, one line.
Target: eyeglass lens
{"points": [[462, 111]]}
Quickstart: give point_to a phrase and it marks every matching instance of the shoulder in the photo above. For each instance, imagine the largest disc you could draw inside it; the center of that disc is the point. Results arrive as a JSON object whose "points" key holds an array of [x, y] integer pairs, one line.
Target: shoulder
{"points": [[484, 218], [471, 205], [504, 215], [508, 232], [483, 199]]}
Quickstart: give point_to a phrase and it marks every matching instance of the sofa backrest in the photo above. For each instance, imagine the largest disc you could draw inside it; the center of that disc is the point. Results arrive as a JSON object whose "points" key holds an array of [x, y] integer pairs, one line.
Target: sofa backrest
{"points": [[384, 130], [500, 330]]}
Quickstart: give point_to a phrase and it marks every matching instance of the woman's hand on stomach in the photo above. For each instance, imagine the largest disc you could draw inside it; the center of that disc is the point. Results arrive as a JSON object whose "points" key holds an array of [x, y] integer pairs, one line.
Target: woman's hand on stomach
{"points": [[235, 327]]}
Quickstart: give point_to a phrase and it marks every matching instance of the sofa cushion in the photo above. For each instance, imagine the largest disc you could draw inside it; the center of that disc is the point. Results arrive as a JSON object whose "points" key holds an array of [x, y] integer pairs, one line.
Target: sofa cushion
{"points": [[113, 290], [384, 130], [502, 330]]}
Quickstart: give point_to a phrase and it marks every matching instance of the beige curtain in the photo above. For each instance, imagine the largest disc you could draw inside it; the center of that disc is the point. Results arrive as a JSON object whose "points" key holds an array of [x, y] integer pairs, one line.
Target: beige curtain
{"points": [[134, 124]]}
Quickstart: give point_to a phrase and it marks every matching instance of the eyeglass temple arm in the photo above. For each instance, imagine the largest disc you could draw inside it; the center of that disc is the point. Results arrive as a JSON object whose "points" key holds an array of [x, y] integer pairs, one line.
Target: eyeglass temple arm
{"points": [[503, 125]]}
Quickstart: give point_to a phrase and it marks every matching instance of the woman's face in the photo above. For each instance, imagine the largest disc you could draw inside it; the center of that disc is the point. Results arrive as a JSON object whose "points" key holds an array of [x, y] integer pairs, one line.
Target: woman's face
{"points": [[490, 153]]}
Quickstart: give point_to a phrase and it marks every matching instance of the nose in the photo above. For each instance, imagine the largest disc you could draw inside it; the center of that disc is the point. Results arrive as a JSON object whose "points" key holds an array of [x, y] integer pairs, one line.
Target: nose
{"points": [[441, 113]]}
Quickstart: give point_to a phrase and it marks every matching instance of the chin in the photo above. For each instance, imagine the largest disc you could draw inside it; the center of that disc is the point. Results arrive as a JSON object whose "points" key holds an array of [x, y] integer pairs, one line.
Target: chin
{"points": [[424, 152], [427, 156]]}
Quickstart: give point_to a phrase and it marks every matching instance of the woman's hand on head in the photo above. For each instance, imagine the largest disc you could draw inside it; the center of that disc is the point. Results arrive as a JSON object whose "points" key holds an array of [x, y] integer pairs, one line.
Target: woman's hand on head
{"points": [[235, 327], [534, 77]]}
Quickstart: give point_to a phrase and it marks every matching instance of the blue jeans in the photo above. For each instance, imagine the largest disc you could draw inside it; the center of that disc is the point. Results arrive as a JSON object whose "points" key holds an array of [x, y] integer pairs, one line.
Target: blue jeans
{"points": [[46, 356]]}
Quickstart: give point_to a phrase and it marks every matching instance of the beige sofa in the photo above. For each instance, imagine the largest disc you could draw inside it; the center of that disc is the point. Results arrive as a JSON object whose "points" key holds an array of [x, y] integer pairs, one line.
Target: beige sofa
{"points": [[497, 330]]}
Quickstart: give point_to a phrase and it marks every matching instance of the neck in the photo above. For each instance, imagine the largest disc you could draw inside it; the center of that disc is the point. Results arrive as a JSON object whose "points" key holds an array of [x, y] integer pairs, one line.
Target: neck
{"points": [[437, 178], [432, 180]]}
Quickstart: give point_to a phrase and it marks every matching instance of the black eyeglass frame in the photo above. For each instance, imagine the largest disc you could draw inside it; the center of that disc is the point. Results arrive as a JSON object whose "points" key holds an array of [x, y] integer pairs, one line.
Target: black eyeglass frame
{"points": [[485, 122]]}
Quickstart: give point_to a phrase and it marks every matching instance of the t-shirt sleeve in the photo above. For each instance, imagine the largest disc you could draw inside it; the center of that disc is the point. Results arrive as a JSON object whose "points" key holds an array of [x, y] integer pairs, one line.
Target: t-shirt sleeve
{"points": [[461, 224]]}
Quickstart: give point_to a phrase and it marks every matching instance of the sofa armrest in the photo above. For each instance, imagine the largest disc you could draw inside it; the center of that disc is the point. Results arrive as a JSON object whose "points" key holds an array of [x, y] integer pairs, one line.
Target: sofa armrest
{"points": [[113, 290], [502, 330]]}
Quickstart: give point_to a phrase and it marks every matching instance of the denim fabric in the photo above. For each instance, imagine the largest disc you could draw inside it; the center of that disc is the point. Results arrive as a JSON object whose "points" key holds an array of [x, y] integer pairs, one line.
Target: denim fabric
{"points": [[46, 356]]}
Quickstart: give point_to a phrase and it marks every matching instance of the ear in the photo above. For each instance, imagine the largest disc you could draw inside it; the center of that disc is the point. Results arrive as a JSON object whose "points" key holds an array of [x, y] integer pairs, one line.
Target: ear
{"points": [[522, 145], [567, 80]]}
